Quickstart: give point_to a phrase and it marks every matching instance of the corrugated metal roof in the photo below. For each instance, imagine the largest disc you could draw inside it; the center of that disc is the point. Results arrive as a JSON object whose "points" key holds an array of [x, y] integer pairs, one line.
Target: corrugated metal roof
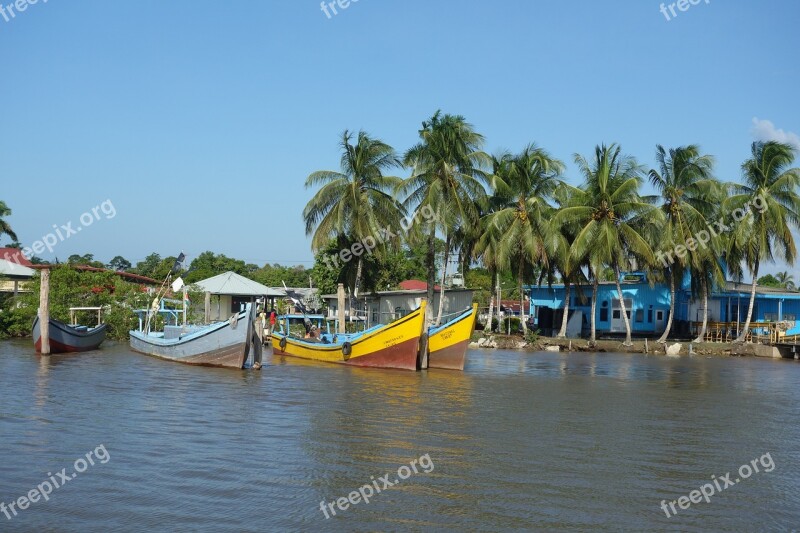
{"points": [[10, 268], [234, 284]]}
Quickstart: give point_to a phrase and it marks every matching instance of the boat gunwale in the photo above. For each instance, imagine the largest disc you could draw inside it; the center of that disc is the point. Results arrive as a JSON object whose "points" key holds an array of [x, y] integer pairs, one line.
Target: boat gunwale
{"points": [[207, 330], [353, 340], [464, 315], [70, 330]]}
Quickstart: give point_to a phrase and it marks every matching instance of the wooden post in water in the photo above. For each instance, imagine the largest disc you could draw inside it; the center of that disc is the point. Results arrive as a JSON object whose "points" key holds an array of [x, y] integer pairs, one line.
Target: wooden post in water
{"points": [[208, 308], [44, 311], [422, 354], [340, 309]]}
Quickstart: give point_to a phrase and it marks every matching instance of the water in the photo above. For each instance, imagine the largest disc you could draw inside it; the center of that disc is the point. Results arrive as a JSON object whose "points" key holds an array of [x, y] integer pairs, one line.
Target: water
{"points": [[517, 441]]}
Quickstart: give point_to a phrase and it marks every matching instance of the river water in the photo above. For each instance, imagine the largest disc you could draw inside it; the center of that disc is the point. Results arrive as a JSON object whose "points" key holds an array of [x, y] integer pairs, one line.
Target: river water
{"points": [[518, 441]]}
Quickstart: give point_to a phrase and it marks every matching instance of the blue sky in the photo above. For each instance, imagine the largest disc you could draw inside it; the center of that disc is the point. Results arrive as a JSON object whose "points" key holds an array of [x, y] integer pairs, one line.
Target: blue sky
{"points": [[200, 120]]}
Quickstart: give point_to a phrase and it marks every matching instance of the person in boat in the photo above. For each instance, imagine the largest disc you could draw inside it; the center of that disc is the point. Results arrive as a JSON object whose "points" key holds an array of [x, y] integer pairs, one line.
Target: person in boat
{"points": [[312, 332]]}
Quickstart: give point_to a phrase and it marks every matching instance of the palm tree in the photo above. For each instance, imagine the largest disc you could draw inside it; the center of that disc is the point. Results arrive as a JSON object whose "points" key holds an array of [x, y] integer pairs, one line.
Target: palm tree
{"points": [[765, 208], [786, 280], [526, 183], [5, 227], [447, 179], [355, 204], [612, 218], [486, 251], [561, 238], [687, 189]]}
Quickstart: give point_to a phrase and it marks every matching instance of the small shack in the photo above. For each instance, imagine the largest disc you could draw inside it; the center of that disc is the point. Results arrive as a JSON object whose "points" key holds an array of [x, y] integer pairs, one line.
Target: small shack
{"points": [[229, 291]]}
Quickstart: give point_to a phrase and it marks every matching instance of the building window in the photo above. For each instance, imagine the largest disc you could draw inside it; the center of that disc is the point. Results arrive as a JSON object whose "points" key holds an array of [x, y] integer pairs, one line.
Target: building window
{"points": [[604, 314], [659, 315], [649, 316], [789, 318], [770, 317], [640, 316], [616, 314]]}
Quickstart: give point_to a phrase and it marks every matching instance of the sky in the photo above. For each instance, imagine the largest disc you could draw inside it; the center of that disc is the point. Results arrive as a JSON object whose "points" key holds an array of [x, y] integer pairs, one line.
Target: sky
{"points": [[196, 123]]}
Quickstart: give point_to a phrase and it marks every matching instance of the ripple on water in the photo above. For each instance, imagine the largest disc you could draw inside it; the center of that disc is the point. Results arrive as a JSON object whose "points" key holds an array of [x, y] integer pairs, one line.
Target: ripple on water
{"points": [[518, 441]]}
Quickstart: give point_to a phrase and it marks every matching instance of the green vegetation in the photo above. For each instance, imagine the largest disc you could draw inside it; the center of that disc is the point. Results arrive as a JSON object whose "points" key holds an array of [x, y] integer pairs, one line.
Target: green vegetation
{"points": [[72, 288], [507, 221], [5, 227]]}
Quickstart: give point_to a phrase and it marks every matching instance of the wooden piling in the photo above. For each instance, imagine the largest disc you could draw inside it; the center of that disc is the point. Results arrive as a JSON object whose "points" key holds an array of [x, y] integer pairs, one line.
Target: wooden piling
{"points": [[44, 311], [208, 308], [340, 309], [185, 307]]}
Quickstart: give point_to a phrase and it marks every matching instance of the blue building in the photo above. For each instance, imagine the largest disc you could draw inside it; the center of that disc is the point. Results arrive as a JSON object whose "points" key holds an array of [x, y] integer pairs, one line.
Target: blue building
{"points": [[648, 306]]}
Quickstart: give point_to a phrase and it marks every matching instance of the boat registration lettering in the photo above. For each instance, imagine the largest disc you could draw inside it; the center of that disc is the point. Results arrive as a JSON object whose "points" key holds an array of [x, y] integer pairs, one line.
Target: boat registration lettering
{"points": [[392, 341]]}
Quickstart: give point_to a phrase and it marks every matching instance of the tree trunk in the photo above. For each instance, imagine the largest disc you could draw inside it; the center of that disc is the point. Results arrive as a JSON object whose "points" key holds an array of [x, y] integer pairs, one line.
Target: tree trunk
{"points": [[430, 259], [743, 334], [497, 291], [593, 321], [565, 318], [522, 297], [664, 335], [491, 311], [444, 277], [499, 300], [359, 267], [628, 341], [702, 334]]}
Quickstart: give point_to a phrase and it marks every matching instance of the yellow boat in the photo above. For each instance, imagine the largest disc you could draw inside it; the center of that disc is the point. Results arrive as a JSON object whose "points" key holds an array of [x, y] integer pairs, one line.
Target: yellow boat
{"points": [[394, 345], [447, 344]]}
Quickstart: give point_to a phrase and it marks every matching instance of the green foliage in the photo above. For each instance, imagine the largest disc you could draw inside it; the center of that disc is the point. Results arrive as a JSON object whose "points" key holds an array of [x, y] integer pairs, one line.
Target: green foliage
{"points": [[769, 281], [532, 336], [5, 227], [276, 275], [480, 280], [73, 288], [119, 263], [384, 272], [148, 265], [510, 323], [84, 260], [209, 264]]}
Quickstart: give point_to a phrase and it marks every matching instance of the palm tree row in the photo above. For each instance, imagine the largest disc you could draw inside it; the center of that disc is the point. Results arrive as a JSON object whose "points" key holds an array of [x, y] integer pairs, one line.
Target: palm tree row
{"points": [[515, 213]]}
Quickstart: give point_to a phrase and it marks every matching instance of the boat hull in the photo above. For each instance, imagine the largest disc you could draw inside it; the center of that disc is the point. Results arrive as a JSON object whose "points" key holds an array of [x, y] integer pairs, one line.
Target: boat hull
{"points": [[447, 345], [221, 345], [66, 339], [395, 345]]}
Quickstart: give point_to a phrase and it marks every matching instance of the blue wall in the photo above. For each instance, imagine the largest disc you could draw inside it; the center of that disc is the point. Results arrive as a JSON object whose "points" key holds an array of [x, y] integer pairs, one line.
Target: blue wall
{"points": [[648, 302]]}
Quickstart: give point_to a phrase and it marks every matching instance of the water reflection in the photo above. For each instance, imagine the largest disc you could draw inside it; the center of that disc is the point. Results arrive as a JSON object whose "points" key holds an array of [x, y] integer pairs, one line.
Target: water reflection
{"points": [[517, 439]]}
